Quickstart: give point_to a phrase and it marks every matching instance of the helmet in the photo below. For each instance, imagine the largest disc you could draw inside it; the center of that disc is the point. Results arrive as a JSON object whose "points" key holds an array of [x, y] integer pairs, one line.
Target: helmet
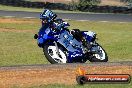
{"points": [[48, 15]]}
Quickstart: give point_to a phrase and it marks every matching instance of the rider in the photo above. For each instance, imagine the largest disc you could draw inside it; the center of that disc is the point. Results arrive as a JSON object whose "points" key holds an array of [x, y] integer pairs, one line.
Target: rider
{"points": [[48, 20]]}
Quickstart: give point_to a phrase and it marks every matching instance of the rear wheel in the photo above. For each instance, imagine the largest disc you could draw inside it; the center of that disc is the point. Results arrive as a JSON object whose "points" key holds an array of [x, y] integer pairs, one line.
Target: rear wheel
{"points": [[50, 52], [99, 54]]}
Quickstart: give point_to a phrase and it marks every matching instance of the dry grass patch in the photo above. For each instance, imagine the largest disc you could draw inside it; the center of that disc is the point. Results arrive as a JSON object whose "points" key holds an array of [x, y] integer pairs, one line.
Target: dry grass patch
{"points": [[112, 3], [18, 21], [16, 31]]}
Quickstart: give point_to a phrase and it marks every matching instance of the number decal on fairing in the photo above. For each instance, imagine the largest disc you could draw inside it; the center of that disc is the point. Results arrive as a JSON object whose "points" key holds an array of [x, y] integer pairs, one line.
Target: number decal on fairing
{"points": [[76, 55]]}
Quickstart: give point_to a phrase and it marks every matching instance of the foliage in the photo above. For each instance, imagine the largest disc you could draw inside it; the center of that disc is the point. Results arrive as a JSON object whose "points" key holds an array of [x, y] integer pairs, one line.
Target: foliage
{"points": [[129, 3], [73, 5], [84, 4], [89, 2]]}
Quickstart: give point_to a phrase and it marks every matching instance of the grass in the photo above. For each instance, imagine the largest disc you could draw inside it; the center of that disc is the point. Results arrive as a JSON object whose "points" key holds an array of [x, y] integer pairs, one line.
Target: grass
{"points": [[17, 46]]}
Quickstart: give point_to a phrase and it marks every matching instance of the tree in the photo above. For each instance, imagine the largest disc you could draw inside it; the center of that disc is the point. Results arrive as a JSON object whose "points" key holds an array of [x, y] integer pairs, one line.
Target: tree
{"points": [[84, 4], [129, 2], [89, 2]]}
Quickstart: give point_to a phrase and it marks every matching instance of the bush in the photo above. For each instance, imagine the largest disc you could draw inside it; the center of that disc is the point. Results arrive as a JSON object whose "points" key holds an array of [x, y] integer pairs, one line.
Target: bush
{"points": [[73, 5], [84, 5], [128, 1]]}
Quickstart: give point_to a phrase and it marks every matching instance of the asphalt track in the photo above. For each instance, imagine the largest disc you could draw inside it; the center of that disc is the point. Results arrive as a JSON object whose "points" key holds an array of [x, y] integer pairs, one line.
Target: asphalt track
{"points": [[73, 16], [66, 66]]}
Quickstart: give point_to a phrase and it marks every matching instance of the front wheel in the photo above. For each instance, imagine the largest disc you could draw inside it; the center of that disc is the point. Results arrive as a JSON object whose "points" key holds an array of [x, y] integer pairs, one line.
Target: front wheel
{"points": [[50, 52], [99, 54]]}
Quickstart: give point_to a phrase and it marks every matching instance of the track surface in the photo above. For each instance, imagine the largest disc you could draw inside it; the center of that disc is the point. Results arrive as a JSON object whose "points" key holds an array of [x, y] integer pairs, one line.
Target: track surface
{"points": [[35, 75], [73, 16], [74, 65]]}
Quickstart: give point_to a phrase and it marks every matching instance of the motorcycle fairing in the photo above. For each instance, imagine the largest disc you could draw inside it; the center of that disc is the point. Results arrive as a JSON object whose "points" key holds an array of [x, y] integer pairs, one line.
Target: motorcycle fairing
{"points": [[73, 56], [73, 46], [44, 36]]}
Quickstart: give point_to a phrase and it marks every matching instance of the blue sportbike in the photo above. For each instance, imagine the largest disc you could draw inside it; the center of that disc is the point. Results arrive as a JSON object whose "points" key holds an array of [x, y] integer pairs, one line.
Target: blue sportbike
{"points": [[61, 45]]}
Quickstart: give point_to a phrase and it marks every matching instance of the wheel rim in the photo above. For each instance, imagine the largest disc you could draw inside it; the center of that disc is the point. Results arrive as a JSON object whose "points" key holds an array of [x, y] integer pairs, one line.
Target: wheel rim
{"points": [[101, 53], [61, 58]]}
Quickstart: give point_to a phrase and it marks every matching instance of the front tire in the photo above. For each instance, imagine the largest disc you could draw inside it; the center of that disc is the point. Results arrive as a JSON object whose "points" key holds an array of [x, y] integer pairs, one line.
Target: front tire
{"points": [[50, 53], [100, 54]]}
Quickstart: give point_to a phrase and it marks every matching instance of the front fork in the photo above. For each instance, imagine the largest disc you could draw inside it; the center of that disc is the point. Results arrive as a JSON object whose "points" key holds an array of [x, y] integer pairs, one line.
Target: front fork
{"points": [[90, 52], [94, 49], [56, 48]]}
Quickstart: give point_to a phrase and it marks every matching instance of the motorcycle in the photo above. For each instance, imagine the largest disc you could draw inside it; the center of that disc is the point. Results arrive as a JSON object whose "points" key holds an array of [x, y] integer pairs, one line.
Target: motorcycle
{"points": [[64, 46]]}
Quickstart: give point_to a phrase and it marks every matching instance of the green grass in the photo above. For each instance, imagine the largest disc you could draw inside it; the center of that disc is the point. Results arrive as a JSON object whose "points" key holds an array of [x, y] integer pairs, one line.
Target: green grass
{"points": [[19, 48]]}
